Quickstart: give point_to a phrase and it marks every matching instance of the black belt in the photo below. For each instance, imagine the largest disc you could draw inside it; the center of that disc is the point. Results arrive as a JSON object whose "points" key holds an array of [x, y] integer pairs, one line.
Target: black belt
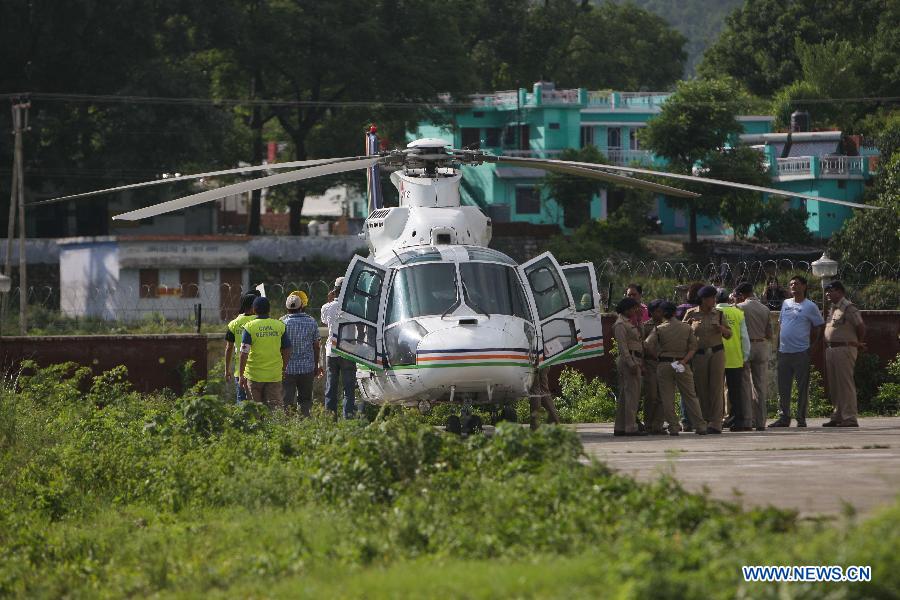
{"points": [[636, 353], [711, 349], [669, 358], [837, 344], [758, 340]]}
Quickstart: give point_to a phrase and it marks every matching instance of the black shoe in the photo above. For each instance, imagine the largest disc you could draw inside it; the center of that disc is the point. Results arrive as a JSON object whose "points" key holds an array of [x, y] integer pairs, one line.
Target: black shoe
{"points": [[848, 424], [702, 431], [713, 430], [728, 422], [801, 423], [618, 432], [761, 428], [831, 423], [780, 423], [741, 429], [673, 432], [686, 427], [635, 433]]}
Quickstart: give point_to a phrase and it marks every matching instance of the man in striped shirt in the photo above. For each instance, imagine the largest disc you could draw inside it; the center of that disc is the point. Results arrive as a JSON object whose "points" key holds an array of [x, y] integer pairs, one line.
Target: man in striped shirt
{"points": [[303, 365]]}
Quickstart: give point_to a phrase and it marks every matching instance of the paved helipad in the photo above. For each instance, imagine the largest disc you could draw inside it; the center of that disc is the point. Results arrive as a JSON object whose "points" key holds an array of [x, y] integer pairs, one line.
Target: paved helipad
{"points": [[814, 470]]}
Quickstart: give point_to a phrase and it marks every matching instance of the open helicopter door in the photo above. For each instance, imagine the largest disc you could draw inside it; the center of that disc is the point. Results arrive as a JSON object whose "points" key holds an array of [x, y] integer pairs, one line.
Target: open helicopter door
{"points": [[359, 334], [583, 285], [551, 302]]}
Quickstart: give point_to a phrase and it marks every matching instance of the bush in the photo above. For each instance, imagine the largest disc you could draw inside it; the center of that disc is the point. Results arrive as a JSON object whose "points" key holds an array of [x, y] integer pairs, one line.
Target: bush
{"points": [[887, 400], [881, 294], [148, 495], [778, 225], [583, 401]]}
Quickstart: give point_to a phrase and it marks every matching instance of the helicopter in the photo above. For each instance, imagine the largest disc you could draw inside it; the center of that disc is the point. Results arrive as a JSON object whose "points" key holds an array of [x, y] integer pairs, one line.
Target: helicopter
{"points": [[433, 315]]}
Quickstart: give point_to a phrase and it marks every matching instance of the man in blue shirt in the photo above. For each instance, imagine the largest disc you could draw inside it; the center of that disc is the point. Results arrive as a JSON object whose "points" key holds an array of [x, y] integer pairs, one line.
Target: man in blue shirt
{"points": [[801, 325], [303, 365]]}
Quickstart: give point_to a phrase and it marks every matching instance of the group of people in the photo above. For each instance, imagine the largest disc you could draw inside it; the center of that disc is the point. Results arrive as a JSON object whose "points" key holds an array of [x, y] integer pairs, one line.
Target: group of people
{"points": [[718, 339], [276, 361]]}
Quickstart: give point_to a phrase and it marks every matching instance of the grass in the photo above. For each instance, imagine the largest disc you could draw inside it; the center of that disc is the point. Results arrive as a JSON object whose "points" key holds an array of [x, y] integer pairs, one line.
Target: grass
{"points": [[108, 493]]}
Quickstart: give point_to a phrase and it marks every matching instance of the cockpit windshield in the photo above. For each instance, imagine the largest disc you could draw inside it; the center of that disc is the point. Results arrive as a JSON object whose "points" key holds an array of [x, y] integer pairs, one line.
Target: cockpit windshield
{"points": [[426, 289], [493, 289]]}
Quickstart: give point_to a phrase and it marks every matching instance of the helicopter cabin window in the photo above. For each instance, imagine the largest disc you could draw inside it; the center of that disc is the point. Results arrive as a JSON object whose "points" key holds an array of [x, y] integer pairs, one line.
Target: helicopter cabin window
{"points": [[528, 200], [549, 293], [362, 297], [471, 137], [493, 289], [428, 289], [579, 280], [492, 137]]}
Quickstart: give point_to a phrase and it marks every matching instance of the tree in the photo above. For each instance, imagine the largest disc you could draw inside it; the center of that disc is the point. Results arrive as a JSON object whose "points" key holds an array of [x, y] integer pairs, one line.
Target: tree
{"points": [[573, 193], [873, 235], [758, 47], [574, 43], [695, 125], [740, 209]]}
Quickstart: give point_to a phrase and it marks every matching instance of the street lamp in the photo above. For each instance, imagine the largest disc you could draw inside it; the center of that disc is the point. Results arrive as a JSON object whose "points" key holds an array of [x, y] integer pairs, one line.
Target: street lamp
{"points": [[825, 269]]}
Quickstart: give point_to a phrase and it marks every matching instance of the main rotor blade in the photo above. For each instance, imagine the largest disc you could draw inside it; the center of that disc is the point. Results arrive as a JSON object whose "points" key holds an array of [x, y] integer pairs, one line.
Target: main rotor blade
{"points": [[731, 184], [235, 171], [571, 168], [247, 186]]}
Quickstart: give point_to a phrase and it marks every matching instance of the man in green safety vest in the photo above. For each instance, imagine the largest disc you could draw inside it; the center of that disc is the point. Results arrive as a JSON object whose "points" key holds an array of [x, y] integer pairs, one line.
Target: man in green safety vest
{"points": [[265, 350]]}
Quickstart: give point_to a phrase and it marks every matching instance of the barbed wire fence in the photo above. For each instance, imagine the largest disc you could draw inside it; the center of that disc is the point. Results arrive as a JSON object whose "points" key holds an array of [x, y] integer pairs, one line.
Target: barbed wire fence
{"points": [[52, 309]]}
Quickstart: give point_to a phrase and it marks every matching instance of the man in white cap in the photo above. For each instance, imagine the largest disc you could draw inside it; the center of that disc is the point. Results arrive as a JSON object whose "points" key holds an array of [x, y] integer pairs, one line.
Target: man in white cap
{"points": [[302, 367], [337, 366]]}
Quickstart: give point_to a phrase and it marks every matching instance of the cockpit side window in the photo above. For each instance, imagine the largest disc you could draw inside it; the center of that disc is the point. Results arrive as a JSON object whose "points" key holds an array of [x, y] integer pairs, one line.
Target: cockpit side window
{"points": [[494, 289], [427, 289], [549, 293]]}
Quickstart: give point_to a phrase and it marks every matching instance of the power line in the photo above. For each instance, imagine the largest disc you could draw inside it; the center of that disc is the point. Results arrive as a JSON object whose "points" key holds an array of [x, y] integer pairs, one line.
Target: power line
{"points": [[437, 103]]}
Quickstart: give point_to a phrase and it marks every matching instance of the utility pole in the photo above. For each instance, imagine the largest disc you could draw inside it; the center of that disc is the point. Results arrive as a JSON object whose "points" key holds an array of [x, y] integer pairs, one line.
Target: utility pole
{"points": [[20, 126], [10, 232]]}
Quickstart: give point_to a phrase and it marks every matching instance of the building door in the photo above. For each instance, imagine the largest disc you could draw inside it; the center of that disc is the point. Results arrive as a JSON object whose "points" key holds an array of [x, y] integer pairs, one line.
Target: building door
{"points": [[230, 281]]}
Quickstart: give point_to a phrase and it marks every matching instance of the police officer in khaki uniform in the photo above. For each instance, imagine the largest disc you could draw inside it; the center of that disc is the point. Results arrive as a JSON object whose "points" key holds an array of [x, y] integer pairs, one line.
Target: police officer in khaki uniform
{"points": [[845, 333], [653, 415], [628, 368], [672, 341], [710, 328], [756, 371]]}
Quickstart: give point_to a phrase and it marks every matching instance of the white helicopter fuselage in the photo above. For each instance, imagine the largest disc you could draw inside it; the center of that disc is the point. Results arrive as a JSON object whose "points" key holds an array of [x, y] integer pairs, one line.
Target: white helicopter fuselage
{"points": [[433, 315]]}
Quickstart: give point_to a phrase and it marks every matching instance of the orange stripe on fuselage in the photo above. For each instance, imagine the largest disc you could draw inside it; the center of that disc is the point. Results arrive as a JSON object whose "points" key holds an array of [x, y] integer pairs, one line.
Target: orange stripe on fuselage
{"points": [[471, 357], [589, 346]]}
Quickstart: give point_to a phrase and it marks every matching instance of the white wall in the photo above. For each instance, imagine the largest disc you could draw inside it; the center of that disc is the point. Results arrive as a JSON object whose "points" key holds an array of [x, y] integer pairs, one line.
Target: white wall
{"points": [[88, 278]]}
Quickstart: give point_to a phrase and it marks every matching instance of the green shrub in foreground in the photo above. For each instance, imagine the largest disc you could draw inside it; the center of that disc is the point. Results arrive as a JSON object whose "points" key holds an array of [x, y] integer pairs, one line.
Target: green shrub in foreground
{"points": [[112, 493]]}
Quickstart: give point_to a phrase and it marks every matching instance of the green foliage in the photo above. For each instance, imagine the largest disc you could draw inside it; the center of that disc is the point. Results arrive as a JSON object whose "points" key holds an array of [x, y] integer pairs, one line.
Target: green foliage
{"points": [[887, 400], [873, 235], [775, 224], [583, 401], [150, 495], [763, 41], [573, 193], [619, 234], [880, 294]]}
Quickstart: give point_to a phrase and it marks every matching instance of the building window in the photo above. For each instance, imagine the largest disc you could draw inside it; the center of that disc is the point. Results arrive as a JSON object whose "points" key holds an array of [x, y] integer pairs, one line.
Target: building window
{"points": [[528, 201], [471, 137], [148, 283], [553, 125], [587, 136], [633, 142], [190, 283], [478, 114], [492, 137], [614, 137]]}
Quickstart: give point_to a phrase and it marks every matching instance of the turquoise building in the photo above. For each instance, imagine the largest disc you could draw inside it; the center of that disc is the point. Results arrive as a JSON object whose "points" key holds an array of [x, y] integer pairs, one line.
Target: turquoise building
{"points": [[545, 121]]}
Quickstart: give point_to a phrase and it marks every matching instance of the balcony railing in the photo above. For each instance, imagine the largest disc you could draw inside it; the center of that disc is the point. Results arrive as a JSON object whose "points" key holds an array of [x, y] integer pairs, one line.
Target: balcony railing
{"points": [[795, 166], [841, 165], [532, 153], [625, 157]]}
